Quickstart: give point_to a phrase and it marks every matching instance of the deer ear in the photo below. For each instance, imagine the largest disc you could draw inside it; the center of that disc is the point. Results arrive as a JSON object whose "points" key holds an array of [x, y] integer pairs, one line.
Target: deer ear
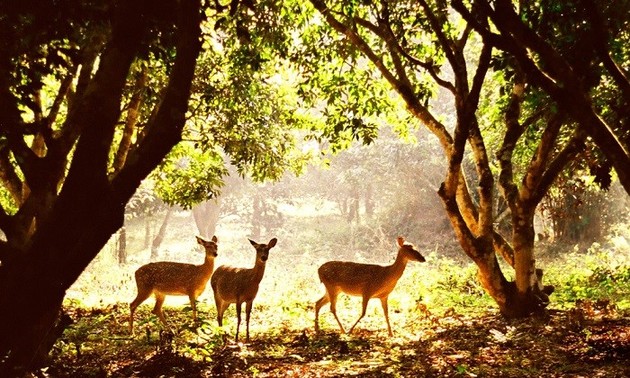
{"points": [[401, 241], [272, 243], [214, 239], [199, 240], [253, 242]]}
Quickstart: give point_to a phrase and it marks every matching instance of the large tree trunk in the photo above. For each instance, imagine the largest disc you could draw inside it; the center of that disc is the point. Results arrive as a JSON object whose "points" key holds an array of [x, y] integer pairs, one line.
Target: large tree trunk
{"points": [[528, 299], [90, 207], [34, 284], [481, 250]]}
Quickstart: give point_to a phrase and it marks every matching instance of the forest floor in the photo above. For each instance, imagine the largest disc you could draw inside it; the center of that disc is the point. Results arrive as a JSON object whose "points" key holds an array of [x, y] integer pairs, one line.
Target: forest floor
{"points": [[590, 340]]}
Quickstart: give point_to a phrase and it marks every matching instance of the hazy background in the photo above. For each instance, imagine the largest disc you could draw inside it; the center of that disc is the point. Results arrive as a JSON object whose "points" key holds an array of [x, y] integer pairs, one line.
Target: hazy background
{"points": [[351, 207]]}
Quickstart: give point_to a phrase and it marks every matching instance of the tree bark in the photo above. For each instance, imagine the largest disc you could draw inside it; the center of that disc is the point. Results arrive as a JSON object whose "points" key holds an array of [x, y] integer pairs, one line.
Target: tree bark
{"points": [[90, 208], [133, 110]]}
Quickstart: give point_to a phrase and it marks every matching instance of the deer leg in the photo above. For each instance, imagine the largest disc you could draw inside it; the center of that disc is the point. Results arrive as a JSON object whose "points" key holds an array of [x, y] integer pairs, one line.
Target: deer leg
{"points": [[193, 304], [365, 303], [318, 305], [333, 309], [157, 309], [386, 313], [221, 307], [238, 318], [248, 311], [141, 297]]}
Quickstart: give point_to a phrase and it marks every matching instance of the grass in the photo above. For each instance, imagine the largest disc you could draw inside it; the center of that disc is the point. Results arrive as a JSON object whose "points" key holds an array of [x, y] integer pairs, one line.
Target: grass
{"points": [[444, 324], [447, 344]]}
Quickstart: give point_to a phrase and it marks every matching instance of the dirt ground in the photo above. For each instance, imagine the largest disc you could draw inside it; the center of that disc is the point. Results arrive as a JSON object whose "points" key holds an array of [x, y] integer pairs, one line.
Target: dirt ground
{"points": [[588, 341]]}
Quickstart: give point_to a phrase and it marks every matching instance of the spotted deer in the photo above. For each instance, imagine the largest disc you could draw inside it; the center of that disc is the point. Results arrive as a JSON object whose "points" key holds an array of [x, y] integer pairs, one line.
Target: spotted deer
{"points": [[164, 278], [240, 285], [363, 280]]}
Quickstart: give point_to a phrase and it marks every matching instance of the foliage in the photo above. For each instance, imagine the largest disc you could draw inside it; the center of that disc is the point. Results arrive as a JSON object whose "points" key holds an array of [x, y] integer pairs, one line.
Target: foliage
{"points": [[244, 104], [338, 84], [143, 202], [188, 176], [579, 210], [600, 274]]}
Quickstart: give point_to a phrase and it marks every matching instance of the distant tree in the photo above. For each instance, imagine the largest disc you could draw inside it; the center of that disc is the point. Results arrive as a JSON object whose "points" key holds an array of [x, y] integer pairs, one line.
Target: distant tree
{"points": [[388, 182], [206, 215]]}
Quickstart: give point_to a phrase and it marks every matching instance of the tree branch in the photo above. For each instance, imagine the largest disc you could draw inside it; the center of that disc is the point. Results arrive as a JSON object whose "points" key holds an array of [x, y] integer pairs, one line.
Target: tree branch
{"points": [[405, 91], [570, 151], [164, 131], [536, 169], [602, 47]]}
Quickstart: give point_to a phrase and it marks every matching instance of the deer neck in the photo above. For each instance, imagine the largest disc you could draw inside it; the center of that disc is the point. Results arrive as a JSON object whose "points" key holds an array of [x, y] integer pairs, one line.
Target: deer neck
{"points": [[259, 270], [208, 265], [398, 267]]}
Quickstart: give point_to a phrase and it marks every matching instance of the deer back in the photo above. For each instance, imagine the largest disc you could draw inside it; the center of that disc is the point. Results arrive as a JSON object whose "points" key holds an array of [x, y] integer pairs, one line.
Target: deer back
{"points": [[177, 278]]}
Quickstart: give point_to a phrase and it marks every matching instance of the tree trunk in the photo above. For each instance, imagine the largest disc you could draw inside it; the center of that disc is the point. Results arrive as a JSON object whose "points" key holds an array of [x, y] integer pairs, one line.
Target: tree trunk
{"points": [[157, 241], [90, 208], [258, 209], [147, 232], [481, 251], [206, 216], [132, 120], [34, 284], [528, 299], [369, 201], [122, 246]]}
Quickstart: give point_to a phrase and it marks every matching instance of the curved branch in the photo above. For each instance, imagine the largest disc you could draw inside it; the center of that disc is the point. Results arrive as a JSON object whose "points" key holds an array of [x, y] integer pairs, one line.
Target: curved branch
{"points": [[436, 26], [508, 43], [536, 169], [9, 178], [602, 48], [503, 247], [512, 135], [554, 168], [71, 130], [405, 91], [392, 42], [165, 129], [131, 122]]}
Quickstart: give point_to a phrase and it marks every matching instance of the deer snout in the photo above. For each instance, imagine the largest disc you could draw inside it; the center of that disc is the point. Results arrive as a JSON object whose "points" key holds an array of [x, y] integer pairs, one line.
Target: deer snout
{"points": [[419, 257], [264, 257]]}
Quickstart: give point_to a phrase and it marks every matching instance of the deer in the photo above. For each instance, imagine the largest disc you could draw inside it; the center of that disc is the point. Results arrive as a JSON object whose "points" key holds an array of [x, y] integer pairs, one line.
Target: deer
{"points": [[164, 278], [240, 285], [364, 280]]}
